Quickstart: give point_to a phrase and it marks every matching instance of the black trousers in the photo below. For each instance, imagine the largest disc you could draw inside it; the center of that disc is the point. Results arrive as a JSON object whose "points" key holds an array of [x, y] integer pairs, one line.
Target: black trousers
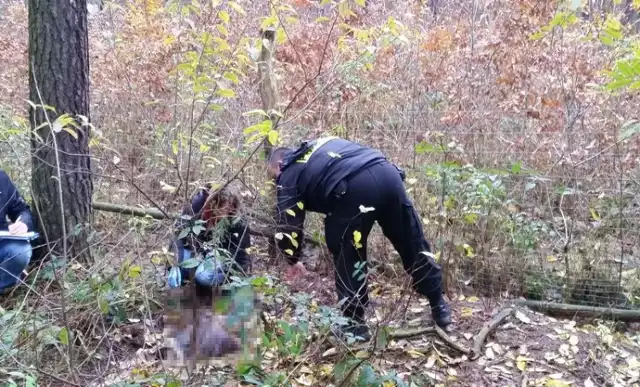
{"points": [[381, 188]]}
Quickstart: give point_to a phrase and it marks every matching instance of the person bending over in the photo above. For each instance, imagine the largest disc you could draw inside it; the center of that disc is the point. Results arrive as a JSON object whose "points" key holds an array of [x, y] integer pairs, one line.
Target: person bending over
{"points": [[221, 236], [14, 254], [354, 186]]}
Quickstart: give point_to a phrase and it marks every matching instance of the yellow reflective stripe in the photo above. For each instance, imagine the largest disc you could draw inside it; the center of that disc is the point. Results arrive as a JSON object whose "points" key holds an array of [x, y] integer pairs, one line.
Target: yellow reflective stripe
{"points": [[320, 142]]}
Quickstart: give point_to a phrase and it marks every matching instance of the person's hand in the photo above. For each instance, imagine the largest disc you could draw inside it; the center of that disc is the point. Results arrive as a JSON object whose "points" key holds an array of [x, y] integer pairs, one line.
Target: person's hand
{"points": [[18, 228], [296, 271]]}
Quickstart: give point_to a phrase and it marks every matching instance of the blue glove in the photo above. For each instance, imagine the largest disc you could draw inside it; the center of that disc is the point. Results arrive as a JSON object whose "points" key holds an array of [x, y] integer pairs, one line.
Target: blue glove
{"points": [[175, 277]]}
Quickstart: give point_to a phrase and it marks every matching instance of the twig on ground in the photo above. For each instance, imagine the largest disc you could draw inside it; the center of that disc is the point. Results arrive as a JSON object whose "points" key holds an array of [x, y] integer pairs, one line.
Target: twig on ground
{"points": [[488, 327]]}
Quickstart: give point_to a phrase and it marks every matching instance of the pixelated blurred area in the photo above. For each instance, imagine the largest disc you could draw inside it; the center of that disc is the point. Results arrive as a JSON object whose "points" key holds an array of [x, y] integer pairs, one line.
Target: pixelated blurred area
{"points": [[203, 330]]}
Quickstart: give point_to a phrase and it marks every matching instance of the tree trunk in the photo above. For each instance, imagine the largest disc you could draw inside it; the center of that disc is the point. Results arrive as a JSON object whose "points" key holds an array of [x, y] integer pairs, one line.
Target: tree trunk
{"points": [[59, 77]]}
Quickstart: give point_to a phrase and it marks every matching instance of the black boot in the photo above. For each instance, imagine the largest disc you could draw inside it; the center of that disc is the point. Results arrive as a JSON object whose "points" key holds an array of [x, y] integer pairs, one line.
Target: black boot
{"points": [[441, 312], [358, 330]]}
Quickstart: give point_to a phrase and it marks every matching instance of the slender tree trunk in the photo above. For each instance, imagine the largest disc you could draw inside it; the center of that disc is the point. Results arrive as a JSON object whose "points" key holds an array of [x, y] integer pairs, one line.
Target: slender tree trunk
{"points": [[59, 78]]}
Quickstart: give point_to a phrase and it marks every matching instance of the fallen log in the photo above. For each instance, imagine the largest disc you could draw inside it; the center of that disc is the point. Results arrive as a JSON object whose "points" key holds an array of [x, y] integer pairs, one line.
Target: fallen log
{"points": [[159, 215], [627, 315]]}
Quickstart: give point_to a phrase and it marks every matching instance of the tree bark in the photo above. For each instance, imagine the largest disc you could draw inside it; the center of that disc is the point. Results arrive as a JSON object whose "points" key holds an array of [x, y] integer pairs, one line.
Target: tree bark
{"points": [[61, 166]]}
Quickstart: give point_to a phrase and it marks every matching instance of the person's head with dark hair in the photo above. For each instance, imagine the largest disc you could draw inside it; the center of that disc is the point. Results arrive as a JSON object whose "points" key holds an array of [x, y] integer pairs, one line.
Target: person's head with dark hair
{"points": [[275, 160]]}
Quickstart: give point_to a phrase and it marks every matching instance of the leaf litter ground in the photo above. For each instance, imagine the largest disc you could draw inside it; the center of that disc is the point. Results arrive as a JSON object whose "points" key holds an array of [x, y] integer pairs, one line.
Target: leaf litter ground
{"points": [[527, 349]]}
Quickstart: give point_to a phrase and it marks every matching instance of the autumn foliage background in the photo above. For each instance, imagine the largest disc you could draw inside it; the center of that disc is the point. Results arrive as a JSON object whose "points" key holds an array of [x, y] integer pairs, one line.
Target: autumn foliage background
{"points": [[511, 144]]}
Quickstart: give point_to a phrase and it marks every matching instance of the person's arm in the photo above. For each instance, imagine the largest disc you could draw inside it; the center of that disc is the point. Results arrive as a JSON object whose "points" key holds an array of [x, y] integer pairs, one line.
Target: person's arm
{"points": [[290, 213], [197, 202], [18, 207]]}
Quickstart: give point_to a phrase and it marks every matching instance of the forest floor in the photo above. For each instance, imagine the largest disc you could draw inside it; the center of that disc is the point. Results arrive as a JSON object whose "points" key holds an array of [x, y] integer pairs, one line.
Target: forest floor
{"points": [[526, 349]]}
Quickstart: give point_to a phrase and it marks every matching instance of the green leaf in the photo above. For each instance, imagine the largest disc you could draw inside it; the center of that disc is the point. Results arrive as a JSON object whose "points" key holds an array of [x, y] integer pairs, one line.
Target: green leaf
{"points": [[360, 2], [289, 251], [236, 7], [231, 76], [63, 336], [224, 16], [226, 93], [71, 132], [357, 236], [290, 212], [134, 271], [272, 137], [300, 205], [222, 29], [515, 168], [322, 19], [294, 242], [103, 305], [255, 112], [190, 263], [263, 128]]}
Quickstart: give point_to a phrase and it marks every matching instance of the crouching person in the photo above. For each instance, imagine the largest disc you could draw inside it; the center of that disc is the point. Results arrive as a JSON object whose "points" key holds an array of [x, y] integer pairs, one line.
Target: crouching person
{"points": [[222, 240], [15, 253]]}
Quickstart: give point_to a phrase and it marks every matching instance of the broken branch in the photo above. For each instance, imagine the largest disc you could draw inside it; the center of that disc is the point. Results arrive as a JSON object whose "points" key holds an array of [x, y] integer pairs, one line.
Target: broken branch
{"points": [[159, 215], [488, 327]]}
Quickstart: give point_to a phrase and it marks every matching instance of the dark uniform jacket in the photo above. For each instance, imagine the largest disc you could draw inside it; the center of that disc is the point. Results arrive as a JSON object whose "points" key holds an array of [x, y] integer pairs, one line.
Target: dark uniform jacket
{"points": [[12, 204], [311, 177]]}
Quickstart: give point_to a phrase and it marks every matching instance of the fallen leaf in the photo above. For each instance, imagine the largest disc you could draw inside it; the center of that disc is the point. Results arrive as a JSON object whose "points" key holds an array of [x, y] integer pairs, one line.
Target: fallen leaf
{"points": [[521, 363], [329, 352], [413, 353], [520, 316], [466, 312], [306, 380], [574, 340], [489, 354], [364, 209]]}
